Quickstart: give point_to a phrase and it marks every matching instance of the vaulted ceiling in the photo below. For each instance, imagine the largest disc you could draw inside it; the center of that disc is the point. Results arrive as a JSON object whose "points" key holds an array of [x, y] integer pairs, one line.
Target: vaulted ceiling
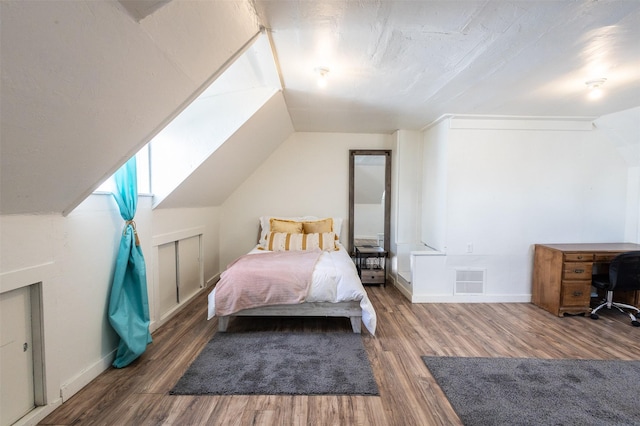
{"points": [[86, 83], [402, 64]]}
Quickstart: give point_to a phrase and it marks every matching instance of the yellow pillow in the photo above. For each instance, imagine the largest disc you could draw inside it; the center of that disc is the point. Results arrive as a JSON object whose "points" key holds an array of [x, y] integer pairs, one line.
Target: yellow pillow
{"points": [[278, 241], [285, 226], [318, 226]]}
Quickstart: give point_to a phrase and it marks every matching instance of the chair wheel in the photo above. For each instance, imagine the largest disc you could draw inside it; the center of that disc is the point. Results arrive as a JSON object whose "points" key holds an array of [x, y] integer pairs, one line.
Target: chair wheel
{"points": [[594, 316], [635, 323]]}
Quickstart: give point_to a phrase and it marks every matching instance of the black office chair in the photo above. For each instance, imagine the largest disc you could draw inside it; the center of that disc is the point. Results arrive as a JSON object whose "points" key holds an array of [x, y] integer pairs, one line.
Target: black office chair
{"points": [[624, 275]]}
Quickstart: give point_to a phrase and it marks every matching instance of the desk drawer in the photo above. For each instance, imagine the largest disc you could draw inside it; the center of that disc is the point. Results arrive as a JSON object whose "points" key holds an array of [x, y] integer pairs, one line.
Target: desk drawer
{"points": [[372, 276], [578, 257], [576, 271], [576, 293], [605, 257]]}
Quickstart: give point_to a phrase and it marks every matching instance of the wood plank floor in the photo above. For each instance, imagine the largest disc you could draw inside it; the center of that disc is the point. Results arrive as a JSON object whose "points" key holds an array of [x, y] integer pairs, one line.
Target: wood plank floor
{"points": [[138, 394]]}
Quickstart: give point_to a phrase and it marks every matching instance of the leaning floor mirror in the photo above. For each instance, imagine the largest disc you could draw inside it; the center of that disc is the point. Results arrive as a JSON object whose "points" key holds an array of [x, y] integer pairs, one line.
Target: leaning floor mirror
{"points": [[369, 198]]}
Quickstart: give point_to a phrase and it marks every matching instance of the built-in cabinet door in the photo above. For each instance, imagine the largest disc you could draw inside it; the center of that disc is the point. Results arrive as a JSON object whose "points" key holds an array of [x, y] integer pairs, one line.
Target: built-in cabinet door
{"points": [[167, 283], [16, 356], [180, 272], [188, 267]]}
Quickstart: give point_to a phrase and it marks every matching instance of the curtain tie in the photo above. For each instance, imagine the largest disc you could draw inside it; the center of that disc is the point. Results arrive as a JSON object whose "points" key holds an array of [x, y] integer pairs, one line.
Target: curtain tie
{"points": [[135, 232]]}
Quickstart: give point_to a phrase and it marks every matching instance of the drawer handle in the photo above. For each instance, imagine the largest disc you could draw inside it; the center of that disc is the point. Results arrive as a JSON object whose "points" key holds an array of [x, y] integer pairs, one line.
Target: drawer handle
{"points": [[579, 257], [577, 293], [579, 271]]}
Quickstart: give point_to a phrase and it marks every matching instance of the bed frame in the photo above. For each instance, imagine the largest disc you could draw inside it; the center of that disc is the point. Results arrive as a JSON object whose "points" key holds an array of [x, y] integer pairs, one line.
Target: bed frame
{"points": [[351, 310]]}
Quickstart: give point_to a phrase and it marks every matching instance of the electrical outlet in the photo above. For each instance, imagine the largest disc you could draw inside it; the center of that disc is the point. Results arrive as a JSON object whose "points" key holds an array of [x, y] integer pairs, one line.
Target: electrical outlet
{"points": [[469, 247]]}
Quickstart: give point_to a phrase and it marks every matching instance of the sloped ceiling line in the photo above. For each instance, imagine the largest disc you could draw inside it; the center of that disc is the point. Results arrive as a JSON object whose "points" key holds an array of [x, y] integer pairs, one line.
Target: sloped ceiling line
{"points": [[274, 53]]}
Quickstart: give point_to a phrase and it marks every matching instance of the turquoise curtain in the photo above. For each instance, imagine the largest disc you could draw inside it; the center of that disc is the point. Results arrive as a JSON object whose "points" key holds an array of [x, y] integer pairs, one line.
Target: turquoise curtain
{"points": [[129, 302]]}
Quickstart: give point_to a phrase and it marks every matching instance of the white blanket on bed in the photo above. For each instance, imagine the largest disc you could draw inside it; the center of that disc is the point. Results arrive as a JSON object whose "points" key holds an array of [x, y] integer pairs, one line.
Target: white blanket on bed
{"points": [[335, 279]]}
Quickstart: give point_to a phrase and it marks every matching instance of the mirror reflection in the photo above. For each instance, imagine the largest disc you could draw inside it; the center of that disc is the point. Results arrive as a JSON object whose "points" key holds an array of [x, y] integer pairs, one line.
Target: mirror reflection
{"points": [[368, 200], [369, 203]]}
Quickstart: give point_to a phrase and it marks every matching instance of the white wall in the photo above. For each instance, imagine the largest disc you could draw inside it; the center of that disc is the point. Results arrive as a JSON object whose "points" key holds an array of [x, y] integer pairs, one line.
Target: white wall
{"points": [[308, 174], [408, 185], [632, 229], [509, 187], [81, 249], [406, 200], [167, 221], [622, 129], [434, 187], [78, 252], [512, 184]]}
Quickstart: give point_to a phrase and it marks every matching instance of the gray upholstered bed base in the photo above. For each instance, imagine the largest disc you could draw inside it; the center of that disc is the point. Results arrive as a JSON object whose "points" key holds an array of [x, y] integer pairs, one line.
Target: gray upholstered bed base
{"points": [[350, 310]]}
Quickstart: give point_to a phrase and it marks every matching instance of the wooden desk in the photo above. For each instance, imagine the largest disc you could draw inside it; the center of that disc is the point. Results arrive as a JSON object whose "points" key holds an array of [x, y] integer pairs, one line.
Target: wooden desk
{"points": [[562, 274]]}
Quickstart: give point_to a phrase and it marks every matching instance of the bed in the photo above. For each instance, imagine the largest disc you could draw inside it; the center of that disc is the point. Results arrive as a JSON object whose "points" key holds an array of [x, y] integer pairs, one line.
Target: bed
{"points": [[301, 273]]}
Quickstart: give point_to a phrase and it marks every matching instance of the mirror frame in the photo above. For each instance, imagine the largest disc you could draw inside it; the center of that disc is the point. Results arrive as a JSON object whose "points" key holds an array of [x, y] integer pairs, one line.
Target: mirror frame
{"points": [[387, 194]]}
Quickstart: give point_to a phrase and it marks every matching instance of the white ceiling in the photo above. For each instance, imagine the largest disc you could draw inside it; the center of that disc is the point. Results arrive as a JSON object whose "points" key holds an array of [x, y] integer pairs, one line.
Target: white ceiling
{"points": [[85, 83], [402, 64]]}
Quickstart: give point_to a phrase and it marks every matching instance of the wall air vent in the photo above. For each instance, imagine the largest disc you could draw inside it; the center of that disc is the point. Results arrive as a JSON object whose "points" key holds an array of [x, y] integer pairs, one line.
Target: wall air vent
{"points": [[469, 281]]}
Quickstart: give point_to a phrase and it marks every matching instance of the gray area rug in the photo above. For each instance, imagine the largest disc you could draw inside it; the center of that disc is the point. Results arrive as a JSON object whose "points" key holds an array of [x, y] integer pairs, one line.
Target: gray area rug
{"points": [[273, 363], [523, 391]]}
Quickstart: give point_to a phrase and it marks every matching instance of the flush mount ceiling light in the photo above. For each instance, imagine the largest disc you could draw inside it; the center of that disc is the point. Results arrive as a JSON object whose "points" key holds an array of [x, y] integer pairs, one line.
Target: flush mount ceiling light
{"points": [[595, 87], [323, 73]]}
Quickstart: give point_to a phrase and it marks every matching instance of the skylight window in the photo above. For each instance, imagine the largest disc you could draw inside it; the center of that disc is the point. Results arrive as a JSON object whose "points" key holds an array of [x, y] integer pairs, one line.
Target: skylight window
{"points": [[213, 117], [144, 175], [207, 122]]}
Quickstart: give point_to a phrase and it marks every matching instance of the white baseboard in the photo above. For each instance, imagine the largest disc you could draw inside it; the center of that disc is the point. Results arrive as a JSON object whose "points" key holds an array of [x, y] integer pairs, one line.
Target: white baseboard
{"points": [[484, 298], [214, 279], [67, 390], [404, 276], [36, 415], [403, 288], [155, 324]]}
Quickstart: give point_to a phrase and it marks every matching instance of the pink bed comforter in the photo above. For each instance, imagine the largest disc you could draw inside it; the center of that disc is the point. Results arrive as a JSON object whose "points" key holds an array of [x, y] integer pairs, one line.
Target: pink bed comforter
{"points": [[272, 278]]}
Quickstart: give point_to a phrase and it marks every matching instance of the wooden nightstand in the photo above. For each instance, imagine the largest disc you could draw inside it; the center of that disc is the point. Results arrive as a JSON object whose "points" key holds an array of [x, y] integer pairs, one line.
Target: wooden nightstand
{"points": [[371, 263]]}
